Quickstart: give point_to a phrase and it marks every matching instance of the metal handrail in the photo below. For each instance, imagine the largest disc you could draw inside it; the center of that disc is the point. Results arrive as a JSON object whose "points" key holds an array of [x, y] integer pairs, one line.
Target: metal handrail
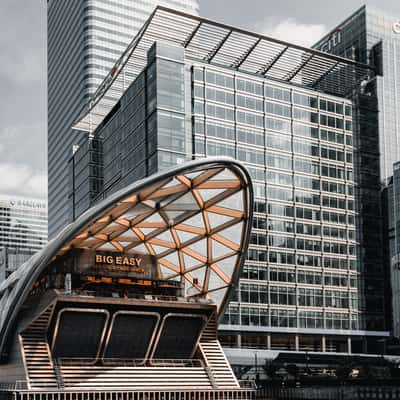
{"points": [[128, 362]]}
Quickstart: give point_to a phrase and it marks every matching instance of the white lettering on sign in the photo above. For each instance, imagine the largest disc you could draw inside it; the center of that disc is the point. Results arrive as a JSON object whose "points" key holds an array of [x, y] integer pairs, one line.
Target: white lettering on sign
{"points": [[396, 27], [333, 40]]}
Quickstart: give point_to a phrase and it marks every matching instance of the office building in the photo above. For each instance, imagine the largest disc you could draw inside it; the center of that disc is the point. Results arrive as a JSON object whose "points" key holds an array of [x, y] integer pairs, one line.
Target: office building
{"points": [[372, 36], [85, 38], [23, 231], [124, 302], [392, 200], [206, 89]]}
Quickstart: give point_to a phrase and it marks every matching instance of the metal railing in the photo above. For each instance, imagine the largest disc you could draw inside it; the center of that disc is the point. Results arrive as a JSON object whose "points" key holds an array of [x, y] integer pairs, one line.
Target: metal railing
{"points": [[134, 296], [238, 394], [128, 362]]}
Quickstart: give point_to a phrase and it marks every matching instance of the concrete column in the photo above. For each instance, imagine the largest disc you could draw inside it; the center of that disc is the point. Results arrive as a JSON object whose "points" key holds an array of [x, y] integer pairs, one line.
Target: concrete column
{"points": [[296, 342], [268, 341], [349, 344], [323, 343], [239, 340]]}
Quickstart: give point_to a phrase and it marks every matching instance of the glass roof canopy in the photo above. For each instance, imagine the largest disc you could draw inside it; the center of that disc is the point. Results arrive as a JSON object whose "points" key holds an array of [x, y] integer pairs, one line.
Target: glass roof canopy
{"points": [[222, 45], [193, 223], [194, 219]]}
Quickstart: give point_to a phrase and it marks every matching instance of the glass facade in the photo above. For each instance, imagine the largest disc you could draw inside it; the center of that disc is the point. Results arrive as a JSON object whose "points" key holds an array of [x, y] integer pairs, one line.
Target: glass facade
{"points": [[392, 197], [85, 38], [301, 273], [23, 231], [371, 36], [302, 276]]}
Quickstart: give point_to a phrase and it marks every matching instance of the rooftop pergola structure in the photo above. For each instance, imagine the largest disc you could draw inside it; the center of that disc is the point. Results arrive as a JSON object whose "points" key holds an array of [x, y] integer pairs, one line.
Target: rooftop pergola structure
{"points": [[226, 46]]}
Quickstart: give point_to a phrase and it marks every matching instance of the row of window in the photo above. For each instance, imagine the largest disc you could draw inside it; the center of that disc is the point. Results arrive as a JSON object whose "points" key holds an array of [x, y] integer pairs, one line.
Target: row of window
{"points": [[292, 296], [219, 130], [286, 258], [278, 93], [305, 213], [257, 119], [290, 242], [277, 225], [256, 156], [251, 316]]}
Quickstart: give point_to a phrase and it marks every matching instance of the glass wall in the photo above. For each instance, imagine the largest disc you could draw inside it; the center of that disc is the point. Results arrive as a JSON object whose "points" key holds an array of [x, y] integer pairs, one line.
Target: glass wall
{"points": [[302, 269]]}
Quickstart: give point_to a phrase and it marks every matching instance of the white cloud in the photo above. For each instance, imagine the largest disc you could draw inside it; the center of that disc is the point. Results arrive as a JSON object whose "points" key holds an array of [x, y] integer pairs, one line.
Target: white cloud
{"points": [[292, 31], [21, 179]]}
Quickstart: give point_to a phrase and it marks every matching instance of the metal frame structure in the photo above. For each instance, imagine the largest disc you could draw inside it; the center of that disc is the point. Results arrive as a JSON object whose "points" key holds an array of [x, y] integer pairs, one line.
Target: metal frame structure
{"points": [[83, 310], [222, 45], [124, 312], [195, 219], [166, 316]]}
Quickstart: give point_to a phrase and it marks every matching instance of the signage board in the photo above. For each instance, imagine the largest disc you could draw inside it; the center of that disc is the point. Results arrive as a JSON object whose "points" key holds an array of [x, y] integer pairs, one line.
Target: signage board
{"points": [[114, 264]]}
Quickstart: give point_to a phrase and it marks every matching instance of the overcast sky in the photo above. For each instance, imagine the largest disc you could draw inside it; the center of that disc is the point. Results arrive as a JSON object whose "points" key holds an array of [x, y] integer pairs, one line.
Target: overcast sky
{"points": [[23, 140]]}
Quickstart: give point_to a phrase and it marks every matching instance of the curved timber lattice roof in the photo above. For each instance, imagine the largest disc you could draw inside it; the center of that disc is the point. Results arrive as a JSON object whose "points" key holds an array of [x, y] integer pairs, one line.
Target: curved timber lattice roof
{"points": [[222, 45], [195, 219]]}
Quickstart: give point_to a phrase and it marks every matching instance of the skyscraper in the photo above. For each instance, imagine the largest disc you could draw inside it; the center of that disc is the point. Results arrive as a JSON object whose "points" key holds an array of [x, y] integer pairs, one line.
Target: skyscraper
{"points": [[205, 89], [23, 231], [85, 38], [372, 36]]}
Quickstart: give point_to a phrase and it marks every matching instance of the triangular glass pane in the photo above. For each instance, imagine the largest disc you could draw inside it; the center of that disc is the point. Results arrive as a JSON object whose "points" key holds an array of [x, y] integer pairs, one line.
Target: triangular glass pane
{"points": [[135, 211], [159, 249], [215, 281], [173, 216], [216, 220], [233, 233], [172, 258], [225, 175], [129, 234], [141, 248], [190, 262], [185, 202], [166, 273], [234, 202], [227, 265], [207, 194], [200, 247], [196, 220], [106, 246], [219, 250], [166, 236], [199, 275], [113, 227], [147, 231], [193, 175], [125, 244], [172, 182], [154, 218], [185, 236]]}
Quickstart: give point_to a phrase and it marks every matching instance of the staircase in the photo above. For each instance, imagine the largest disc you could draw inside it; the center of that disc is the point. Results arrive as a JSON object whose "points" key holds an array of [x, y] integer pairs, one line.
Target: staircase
{"points": [[36, 352], [133, 378], [215, 359]]}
